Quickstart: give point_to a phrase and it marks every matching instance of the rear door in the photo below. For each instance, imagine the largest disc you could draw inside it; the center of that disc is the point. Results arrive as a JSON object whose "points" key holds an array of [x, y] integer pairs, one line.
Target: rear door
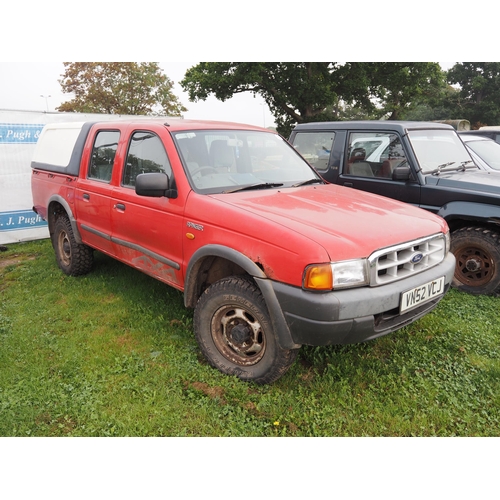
{"points": [[93, 194]]}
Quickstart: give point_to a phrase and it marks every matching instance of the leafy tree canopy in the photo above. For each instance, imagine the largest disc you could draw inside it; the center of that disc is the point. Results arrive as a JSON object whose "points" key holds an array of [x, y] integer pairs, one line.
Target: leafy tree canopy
{"points": [[119, 88], [317, 91], [295, 92], [478, 96], [397, 87]]}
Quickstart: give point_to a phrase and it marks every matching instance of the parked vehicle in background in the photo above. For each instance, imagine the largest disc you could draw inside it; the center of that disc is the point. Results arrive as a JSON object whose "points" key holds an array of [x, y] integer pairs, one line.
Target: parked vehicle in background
{"points": [[269, 256], [424, 164], [484, 151], [490, 132]]}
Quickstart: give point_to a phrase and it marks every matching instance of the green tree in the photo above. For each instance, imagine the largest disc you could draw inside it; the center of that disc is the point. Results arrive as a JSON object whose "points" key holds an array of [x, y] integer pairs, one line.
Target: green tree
{"points": [[478, 97], [295, 92], [119, 88], [398, 87], [318, 91]]}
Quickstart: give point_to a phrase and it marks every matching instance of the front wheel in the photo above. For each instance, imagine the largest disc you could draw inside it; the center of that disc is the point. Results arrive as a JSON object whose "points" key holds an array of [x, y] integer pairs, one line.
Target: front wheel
{"points": [[234, 332], [73, 258], [478, 260]]}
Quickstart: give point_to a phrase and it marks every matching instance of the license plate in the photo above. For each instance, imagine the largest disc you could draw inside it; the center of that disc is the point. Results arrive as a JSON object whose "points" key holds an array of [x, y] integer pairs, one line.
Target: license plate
{"points": [[421, 294]]}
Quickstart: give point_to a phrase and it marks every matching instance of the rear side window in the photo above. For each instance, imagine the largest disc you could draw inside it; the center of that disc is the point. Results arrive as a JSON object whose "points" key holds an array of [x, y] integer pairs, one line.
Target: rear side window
{"points": [[103, 155], [315, 147], [145, 154]]}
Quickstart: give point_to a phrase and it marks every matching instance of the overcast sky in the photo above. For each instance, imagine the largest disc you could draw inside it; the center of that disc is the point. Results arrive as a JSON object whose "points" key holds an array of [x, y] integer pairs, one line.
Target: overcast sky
{"points": [[22, 85], [34, 86]]}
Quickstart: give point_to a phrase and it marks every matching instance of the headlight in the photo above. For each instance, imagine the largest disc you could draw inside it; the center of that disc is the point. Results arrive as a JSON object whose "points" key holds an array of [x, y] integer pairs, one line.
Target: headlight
{"points": [[335, 275], [447, 243]]}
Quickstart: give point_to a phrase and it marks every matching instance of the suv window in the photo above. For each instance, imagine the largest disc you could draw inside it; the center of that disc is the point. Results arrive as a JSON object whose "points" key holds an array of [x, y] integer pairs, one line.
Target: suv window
{"points": [[103, 155], [374, 154], [315, 147], [145, 154]]}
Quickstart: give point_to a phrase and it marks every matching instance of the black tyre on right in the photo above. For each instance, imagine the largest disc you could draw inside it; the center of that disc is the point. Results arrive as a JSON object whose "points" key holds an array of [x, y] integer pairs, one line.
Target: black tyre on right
{"points": [[477, 251]]}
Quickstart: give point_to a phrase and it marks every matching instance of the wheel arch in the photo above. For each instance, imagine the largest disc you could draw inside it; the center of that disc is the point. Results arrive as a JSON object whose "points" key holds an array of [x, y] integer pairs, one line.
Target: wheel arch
{"points": [[213, 262], [460, 214], [58, 207]]}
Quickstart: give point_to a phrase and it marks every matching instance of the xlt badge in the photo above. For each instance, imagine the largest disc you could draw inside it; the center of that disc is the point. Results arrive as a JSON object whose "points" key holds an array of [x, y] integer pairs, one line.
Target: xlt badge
{"points": [[198, 227]]}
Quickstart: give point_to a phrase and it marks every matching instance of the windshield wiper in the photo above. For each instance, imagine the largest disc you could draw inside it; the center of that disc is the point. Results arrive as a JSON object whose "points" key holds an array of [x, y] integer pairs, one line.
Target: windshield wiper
{"points": [[260, 185], [463, 166], [438, 169], [309, 181]]}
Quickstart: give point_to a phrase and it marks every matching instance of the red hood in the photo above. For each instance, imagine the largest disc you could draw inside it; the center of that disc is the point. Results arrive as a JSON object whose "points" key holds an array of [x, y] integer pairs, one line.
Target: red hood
{"points": [[330, 214]]}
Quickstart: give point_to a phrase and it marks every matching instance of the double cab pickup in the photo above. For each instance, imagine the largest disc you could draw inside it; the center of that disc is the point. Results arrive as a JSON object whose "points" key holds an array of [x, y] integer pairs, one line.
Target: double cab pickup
{"points": [[269, 255]]}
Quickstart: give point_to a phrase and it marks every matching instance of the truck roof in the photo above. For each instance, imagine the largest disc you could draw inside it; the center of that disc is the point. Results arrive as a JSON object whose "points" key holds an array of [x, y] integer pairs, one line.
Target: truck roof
{"points": [[399, 126], [177, 124], [63, 142]]}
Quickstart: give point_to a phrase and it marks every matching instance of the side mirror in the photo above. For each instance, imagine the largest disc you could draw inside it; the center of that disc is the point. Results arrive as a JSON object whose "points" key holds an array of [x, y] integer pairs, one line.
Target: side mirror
{"points": [[154, 184], [401, 173]]}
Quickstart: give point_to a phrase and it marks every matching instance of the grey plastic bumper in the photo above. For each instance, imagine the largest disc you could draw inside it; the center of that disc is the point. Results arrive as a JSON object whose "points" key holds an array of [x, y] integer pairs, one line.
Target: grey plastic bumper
{"points": [[355, 315]]}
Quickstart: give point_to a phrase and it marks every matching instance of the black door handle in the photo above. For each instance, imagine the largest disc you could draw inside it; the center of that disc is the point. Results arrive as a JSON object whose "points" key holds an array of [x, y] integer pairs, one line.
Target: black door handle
{"points": [[119, 206], [86, 196]]}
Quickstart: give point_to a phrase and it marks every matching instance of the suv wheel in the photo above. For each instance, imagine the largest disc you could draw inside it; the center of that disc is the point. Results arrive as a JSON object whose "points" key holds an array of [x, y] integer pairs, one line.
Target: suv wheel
{"points": [[478, 260]]}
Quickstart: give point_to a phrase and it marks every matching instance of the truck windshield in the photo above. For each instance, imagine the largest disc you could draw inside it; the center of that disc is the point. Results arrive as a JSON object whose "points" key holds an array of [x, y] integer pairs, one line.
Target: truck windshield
{"points": [[218, 161], [438, 148]]}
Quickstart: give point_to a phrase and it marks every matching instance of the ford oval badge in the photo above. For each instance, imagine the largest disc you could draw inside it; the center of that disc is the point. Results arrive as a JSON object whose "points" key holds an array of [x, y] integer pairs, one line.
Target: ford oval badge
{"points": [[416, 258]]}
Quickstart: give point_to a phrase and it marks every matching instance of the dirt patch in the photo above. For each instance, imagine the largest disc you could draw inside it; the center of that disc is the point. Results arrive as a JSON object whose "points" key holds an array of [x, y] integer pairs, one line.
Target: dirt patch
{"points": [[14, 261], [212, 392]]}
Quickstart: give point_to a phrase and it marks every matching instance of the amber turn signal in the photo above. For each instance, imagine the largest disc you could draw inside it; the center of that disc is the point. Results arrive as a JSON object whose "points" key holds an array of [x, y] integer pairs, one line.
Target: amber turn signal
{"points": [[318, 277]]}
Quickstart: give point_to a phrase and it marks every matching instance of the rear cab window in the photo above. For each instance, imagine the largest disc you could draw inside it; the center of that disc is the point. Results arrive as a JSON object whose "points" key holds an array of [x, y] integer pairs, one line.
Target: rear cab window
{"points": [[103, 155]]}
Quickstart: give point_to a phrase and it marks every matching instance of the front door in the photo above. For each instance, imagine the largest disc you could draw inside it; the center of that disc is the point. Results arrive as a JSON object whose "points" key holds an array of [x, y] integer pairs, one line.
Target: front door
{"points": [[147, 231], [369, 163]]}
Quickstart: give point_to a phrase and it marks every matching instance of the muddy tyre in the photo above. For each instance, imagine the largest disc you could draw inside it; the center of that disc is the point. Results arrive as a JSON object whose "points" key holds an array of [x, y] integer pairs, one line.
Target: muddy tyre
{"points": [[477, 251], [73, 258], [234, 332]]}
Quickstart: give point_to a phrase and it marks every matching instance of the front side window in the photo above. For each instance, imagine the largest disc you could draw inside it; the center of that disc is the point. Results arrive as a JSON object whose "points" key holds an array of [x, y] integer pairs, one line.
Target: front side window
{"points": [[315, 147], [372, 154], [145, 154], [218, 161], [103, 155]]}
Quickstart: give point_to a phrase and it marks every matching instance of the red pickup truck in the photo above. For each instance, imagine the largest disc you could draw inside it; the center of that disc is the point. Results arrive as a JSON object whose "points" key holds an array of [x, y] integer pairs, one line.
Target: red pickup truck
{"points": [[269, 255]]}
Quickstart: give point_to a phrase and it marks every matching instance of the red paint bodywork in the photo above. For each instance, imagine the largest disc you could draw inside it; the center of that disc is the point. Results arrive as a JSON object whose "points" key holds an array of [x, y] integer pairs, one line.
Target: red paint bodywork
{"points": [[282, 231]]}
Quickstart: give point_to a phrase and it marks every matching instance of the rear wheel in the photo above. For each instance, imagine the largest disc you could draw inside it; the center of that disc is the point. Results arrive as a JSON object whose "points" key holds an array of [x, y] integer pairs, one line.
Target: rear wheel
{"points": [[478, 260], [73, 258], [233, 328]]}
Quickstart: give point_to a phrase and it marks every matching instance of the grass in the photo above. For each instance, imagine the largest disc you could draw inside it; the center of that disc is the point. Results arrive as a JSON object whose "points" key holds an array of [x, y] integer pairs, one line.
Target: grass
{"points": [[113, 354]]}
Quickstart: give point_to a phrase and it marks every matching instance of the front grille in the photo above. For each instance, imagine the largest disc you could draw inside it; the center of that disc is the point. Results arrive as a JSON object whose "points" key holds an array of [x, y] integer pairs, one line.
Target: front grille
{"points": [[400, 261]]}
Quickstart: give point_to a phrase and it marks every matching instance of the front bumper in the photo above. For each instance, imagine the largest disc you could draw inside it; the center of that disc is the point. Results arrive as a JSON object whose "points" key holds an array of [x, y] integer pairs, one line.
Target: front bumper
{"points": [[355, 315]]}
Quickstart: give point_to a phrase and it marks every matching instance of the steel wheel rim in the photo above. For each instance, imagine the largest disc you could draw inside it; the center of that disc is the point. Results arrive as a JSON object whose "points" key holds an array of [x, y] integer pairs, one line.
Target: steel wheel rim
{"points": [[474, 267], [64, 247], [238, 335]]}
